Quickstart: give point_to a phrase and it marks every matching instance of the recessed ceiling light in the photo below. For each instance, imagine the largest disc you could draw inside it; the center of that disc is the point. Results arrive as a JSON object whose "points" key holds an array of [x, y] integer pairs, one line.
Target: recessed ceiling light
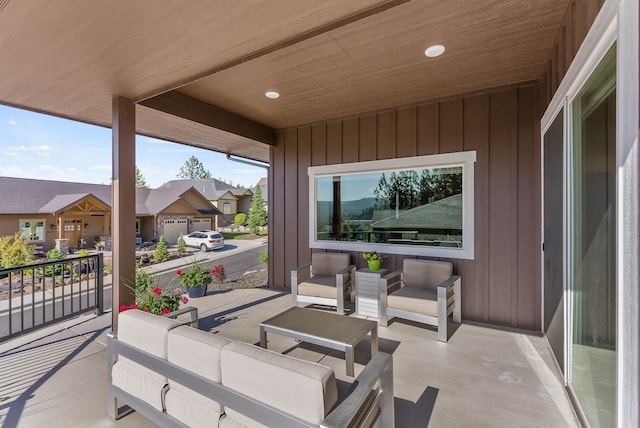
{"points": [[434, 51], [272, 94]]}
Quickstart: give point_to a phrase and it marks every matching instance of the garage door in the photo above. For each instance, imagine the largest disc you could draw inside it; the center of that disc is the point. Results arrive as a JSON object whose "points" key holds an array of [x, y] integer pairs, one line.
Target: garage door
{"points": [[173, 229], [201, 224]]}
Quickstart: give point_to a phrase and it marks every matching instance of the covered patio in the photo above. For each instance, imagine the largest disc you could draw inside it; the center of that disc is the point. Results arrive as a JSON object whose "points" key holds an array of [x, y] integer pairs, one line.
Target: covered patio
{"points": [[483, 377], [535, 102]]}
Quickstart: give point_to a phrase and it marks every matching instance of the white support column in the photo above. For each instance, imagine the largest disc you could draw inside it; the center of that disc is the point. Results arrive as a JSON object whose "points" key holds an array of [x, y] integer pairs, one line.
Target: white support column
{"points": [[628, 344], [123, 196]]}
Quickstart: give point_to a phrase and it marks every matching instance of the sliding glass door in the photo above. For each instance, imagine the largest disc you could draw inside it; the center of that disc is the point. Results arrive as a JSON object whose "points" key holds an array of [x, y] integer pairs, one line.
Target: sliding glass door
{"points": [[592, 245]]}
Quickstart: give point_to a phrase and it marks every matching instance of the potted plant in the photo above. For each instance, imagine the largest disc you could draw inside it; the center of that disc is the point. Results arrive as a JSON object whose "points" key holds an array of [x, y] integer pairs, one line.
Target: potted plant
{"points": [[196, 279], [373, 259], [151, 298]]}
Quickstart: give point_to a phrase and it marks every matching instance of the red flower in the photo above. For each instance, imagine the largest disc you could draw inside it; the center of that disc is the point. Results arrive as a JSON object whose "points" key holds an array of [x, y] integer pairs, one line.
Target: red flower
{"points": [[179, 272], [165, 311], [133, 306], [145, 310], [157, 291], [213, 271], [123, 308]]}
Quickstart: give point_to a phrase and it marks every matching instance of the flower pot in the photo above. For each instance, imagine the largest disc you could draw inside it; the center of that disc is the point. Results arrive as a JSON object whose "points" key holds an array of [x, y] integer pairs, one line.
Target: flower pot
{"points": [[195, 292], [374, 264]]}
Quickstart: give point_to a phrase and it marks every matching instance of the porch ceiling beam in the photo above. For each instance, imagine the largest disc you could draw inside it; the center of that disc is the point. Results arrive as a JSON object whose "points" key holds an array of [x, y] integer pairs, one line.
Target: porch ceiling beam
{"points": [[190, 108]]}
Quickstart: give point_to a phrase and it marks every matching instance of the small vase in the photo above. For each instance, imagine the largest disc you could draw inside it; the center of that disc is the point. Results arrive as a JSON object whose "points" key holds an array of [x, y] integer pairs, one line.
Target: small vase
{"points": [[374, 264], [195, 292]]}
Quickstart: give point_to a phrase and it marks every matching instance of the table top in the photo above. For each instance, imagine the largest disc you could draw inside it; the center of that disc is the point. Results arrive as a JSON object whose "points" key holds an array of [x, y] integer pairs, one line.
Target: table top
{"points": [[339, 328]]}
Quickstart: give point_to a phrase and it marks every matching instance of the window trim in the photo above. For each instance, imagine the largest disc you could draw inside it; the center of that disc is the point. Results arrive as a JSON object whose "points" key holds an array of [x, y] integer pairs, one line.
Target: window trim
{"points": [[465, 160]]}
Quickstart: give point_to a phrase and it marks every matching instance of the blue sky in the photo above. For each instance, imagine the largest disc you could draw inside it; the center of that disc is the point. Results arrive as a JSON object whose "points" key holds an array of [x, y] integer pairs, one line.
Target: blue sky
{"points": [[38, 146]]}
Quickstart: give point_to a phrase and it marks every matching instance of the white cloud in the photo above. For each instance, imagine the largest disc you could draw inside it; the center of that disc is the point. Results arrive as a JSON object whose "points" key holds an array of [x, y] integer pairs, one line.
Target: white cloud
{"points": [[13, 122], [43, 151]]}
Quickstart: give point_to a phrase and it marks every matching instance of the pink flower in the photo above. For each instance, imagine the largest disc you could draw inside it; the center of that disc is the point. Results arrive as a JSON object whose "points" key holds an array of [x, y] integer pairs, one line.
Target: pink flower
{"points": [[133, 306], [179, 272], [123, 308], [157, 291], [165, 311], [178, 290], [184, 299]]}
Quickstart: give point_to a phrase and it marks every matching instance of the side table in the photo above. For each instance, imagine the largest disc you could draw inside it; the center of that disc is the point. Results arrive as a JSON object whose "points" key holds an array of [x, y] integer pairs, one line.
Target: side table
{"points": [[367, 291]]}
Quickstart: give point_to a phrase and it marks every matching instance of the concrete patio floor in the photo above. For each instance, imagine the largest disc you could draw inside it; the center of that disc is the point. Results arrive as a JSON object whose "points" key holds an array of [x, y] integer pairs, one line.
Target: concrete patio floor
{"points": [[483, 377]]}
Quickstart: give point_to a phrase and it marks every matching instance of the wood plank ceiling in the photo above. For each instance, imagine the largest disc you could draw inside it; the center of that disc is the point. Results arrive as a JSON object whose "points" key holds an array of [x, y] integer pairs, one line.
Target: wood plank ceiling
{"points": [[328, 59]]}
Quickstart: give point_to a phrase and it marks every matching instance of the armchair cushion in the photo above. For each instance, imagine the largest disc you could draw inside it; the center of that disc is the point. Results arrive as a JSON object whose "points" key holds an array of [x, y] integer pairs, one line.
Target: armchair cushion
{"points": [[328, 263], [198, 351], [148, 333], [301, 388], [419, 300], [425, 273], [319, 286]]}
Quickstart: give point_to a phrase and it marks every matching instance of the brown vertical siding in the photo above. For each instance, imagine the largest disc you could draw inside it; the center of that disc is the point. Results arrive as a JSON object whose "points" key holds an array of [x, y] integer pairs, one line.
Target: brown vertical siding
{"points": [[578, 18], [502, 284], [476, 272], [304, 162], [276, 221]]}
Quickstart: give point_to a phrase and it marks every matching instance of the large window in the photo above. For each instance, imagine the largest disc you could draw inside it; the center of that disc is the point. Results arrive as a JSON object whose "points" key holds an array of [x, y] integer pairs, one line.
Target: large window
{"points": [[420, 206], [32, 229]]}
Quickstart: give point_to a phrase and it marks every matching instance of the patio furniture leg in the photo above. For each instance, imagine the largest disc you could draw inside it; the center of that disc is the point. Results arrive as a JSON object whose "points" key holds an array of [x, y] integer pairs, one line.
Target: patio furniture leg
{"points": [[263, 338], [350, 359], [374, 341]]}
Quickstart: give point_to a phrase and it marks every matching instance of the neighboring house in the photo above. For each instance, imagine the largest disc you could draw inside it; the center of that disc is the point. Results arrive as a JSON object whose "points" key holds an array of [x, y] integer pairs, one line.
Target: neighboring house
{"points": [[44, 211], [228, 199]]}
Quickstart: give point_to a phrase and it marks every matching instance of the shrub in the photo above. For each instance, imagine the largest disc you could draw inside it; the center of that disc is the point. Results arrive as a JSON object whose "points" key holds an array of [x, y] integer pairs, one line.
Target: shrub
{"points": [[83, 253], [195, 276], [15, 251], [181, 247], [264, 257], [54, 254], [151, 298], [218, 273], [162, 250], [240, 219]]}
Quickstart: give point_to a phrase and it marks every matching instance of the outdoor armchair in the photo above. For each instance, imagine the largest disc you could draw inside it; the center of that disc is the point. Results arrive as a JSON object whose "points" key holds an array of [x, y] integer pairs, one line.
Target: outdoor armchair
{"points": [[325, 281], [426, 292]]}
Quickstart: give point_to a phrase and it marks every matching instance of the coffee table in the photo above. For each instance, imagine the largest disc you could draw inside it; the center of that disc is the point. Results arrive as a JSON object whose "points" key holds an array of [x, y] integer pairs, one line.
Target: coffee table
{"points": [[333, 331]]}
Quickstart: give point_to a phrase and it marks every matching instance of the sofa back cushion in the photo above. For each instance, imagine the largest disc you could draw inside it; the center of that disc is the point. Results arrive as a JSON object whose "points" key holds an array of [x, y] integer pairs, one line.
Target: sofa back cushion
{"points": [[425, 273], [329, 263], [301, 388], [199, 352], [148, 333]]}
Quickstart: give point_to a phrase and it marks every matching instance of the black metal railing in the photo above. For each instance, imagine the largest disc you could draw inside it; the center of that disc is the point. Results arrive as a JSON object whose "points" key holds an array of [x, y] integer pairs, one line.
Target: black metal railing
{"points": [[34, 296]]}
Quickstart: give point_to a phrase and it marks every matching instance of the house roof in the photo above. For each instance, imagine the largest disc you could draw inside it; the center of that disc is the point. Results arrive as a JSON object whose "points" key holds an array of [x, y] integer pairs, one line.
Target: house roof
{"points": [[211, 188], [62, 202], [442, 214], [29, 196], [198, 71]]}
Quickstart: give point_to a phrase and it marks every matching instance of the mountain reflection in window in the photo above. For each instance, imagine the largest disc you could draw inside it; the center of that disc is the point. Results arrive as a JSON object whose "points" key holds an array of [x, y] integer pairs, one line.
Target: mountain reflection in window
{"points": [[412, 207]]}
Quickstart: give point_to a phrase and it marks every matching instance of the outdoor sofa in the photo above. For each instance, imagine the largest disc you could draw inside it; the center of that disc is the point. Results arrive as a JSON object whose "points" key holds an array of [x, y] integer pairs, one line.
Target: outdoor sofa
{"points": [[181, 376]]}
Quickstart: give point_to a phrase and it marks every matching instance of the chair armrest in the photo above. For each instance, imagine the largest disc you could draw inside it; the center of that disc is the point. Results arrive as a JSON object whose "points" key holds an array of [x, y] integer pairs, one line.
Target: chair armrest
{"points": [[391, 280], [379, 369], [300, 274], [346, 273], [449, 282]]}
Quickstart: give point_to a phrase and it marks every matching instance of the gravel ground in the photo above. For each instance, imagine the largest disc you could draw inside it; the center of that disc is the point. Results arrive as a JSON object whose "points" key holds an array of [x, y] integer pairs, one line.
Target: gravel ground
{"points": [[250, 279]]}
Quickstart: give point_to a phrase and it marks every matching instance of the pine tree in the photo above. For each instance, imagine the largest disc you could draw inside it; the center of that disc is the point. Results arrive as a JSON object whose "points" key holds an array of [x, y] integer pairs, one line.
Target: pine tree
{"points": [[193, 169], [140, 180], [162, 250], [257, 212]]}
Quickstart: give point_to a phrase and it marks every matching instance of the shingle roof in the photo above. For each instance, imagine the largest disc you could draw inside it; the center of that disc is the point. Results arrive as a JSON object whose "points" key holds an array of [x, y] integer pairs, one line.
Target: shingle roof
{"points": [[443, 214], [211, 188], [29, 196]]}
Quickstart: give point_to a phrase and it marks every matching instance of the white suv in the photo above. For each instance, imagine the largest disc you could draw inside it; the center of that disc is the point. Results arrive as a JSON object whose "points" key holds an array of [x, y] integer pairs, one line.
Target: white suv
{"points": [[205, 240]]}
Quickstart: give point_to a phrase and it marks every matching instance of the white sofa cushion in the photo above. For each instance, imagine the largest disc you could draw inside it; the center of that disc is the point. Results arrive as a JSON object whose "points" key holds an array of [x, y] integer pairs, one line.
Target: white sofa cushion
{"points": [[199, 352], [319, 286], [329, 263], [425, 273], [148, 333], [301, 388]]}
